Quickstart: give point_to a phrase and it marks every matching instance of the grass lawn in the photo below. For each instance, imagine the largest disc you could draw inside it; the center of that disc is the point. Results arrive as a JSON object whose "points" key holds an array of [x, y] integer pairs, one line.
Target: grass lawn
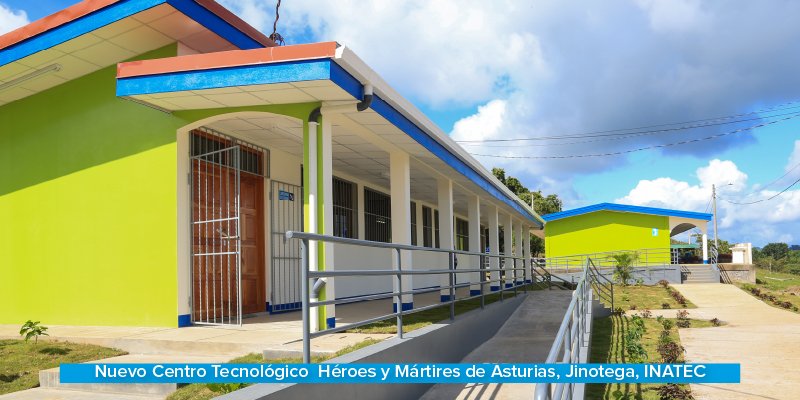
{"points": [[199, 391], [608, 347], [645, 297], [785, 288], [20, 361], [424, 318]]}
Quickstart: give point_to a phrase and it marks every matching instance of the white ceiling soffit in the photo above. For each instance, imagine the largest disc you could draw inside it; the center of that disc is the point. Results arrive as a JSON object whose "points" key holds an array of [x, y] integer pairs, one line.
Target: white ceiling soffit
{"points": [[127, 38]]}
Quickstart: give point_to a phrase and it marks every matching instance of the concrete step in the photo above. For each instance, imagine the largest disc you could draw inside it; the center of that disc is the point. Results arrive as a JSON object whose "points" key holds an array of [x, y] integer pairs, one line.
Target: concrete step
{"points": [[51, 378]]}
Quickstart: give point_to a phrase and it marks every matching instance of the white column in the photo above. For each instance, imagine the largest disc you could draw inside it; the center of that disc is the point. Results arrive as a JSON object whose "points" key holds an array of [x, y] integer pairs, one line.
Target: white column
{"points": [[508, 246], [705, 249], [445, 204], [326, 215], [526, 252], [518, 253], [311, 225], [400, 186], [474, 219], [494, 246]]}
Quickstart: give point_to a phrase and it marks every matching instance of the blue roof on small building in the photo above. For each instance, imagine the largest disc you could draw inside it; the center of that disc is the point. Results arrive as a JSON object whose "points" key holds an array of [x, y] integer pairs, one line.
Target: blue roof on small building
{"points": [[626, 208]]}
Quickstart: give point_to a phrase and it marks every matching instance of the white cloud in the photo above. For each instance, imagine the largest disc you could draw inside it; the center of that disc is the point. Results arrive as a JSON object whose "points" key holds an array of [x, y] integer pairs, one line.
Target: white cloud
{"points": [[10, 19], [485, 124], [674, 15], [794, 159], [760, 223]]}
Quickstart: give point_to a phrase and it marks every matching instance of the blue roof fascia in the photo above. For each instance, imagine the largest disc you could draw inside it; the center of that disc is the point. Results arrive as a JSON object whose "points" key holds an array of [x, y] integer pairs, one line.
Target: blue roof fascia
{"points": [[116, 12], [626, 208]]}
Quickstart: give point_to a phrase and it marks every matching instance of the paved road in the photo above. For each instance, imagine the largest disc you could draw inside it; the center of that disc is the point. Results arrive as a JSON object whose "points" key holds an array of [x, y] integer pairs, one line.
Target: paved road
{"points": [[526, 337], [764, 339]]}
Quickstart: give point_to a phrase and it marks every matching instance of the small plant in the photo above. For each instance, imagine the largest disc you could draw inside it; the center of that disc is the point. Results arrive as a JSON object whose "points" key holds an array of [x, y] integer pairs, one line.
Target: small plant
{"points": [[625, 297], [665, 337], [633, 306], [716, 322], [665, 306], [664, 283], [646, 314], [670, 352], [683, 319], [671, 391], [623, 267], [33, 330], [639, 281], [224, 387], [667, 324]]}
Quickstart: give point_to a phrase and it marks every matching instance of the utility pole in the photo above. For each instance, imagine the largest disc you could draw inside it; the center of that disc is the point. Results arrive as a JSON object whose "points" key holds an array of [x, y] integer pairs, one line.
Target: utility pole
{"points": [[714, 201]]}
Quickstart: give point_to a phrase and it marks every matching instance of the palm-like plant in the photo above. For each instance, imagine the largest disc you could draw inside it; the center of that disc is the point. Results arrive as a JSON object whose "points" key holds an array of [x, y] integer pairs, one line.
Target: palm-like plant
{"points": [[623, 267], [33, 330]]}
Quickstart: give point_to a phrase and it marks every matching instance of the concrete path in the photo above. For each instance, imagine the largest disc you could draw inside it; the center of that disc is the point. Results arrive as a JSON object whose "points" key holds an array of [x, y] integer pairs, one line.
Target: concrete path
{"points": [[764, 339], [526, 337]]}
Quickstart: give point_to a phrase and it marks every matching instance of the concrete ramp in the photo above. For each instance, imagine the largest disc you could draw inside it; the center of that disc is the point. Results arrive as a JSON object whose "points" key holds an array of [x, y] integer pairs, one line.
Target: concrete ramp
{"points": [[526, 337]]}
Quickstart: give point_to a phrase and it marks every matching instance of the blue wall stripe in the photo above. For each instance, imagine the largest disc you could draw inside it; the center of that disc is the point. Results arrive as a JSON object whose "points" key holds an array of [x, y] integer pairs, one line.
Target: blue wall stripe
{"points": [[75, 28], [309, 70], [120, 10], [627, 208]]}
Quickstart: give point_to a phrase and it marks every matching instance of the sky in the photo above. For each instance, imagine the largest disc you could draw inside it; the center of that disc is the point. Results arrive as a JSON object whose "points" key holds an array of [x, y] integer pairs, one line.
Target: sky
{"points": [[723, 71]]}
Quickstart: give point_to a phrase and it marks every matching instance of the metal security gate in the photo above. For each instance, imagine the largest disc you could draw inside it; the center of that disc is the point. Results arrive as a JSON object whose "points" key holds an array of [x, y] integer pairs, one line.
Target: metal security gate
{"points": [[285, 273], [216, 240]]}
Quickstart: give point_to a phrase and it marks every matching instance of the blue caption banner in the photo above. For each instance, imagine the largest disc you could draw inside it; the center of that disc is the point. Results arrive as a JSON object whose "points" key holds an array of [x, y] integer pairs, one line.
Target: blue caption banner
{"points": [[400, 373]]}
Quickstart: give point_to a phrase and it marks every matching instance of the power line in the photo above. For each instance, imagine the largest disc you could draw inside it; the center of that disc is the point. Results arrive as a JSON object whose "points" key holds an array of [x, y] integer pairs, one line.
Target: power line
{"points": [[622, 132], [620, 136], [663, 145], [762, 200]]}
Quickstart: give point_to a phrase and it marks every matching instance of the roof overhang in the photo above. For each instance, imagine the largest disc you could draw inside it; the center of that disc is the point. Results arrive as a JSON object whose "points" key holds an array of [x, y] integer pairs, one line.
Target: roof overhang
{"points": [[95, 34], [319, 72], [627, 209]]}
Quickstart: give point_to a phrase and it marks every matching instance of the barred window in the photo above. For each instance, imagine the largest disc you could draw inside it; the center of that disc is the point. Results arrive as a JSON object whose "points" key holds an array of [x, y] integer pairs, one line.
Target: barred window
{"points": [[344, 208], [427, 226], [413, 223], [209, 145], [436, 231], [377, 216], [462, 234]]}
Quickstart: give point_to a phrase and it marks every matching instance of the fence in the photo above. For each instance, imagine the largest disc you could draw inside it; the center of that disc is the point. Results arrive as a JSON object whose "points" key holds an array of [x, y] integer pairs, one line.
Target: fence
{"points": [[571, 345], [514, 274]]}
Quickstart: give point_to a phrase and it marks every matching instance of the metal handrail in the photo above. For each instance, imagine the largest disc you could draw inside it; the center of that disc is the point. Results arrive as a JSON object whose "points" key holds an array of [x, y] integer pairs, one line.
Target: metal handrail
{"points": [[572, 340], [508, 277], [647, 257]]}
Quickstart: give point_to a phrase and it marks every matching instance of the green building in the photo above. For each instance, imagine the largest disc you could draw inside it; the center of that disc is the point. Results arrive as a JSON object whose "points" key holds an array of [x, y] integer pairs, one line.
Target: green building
{"points": [[608, 227]]}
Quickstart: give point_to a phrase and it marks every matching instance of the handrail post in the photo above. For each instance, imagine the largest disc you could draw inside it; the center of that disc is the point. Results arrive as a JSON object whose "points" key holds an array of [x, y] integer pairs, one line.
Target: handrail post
{"points": [[451, 271], [399, 294], [306, 305]]}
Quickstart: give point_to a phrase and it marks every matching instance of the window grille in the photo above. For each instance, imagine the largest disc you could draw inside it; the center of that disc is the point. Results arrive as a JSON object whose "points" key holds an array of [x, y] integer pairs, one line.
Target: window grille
{"points": [[377, 220], [344, 208], [427, 226], [436, 233], [413, 223], [462, 234], [252, 159]]}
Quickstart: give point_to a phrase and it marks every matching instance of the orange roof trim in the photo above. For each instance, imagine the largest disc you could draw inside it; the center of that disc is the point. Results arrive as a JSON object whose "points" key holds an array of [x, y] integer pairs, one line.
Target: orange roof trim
{"points": [[226, 59], [52, 21]]}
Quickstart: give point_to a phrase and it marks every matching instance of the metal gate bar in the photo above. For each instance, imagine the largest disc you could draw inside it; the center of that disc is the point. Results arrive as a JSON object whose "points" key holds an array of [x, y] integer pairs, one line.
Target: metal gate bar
{"points": [[216, 247], [285, 274]]}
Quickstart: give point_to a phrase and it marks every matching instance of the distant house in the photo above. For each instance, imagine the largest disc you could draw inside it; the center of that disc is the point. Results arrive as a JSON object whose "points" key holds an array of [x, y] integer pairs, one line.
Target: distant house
{"points": [[608, 227]]}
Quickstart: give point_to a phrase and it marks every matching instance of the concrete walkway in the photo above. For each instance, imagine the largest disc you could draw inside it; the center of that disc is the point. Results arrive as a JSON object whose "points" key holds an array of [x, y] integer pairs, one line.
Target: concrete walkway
{"points": [[525, 338], [764, 339]]}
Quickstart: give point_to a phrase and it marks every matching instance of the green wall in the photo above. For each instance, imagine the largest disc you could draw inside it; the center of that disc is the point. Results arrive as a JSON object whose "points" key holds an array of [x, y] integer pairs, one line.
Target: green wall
{"points": [[88, 207], [605, 231]]}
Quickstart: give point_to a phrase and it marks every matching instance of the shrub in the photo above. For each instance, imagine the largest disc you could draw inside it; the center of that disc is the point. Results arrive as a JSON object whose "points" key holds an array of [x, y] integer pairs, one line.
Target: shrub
{"points": [[31, 329], [671, 391], [646, 314], [785, 304], [667, 324], [665, 306], [625, 297], [670, 352], [623, 267], [663, 283], [683, 319], [682, 314], [716, 322], [224, 387], [639, 281], [633, 306], [665, 337]]}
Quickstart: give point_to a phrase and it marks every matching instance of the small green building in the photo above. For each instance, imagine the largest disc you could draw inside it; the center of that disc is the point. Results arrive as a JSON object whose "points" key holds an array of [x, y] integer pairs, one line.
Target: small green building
{"points": [[607, 227]]}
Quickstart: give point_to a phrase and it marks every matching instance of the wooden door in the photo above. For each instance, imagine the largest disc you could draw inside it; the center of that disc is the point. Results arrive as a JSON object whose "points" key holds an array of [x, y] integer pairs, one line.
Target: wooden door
{"points": [[252, 251]]}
